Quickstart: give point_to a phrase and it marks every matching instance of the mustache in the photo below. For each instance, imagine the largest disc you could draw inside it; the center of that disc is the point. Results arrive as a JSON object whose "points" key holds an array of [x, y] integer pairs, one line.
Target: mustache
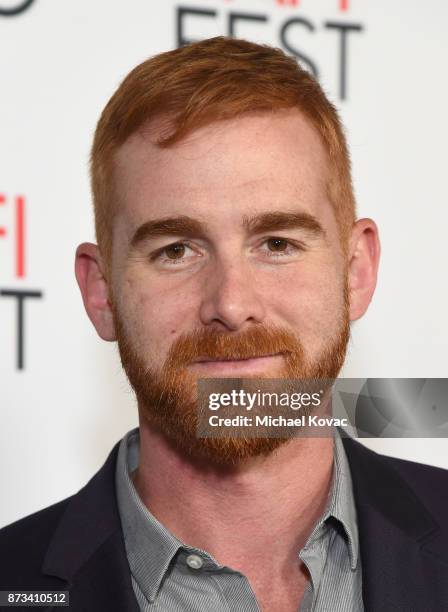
{"points": [[258, 341]]}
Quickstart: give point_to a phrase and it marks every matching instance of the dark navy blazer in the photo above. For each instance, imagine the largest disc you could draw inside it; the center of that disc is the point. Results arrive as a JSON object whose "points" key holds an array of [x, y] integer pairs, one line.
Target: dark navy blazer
{"points": [[77, 544]]}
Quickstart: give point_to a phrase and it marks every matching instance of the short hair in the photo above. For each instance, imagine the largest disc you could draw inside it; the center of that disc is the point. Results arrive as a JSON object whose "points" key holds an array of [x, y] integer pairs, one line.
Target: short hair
{"points": [[207, 81]]}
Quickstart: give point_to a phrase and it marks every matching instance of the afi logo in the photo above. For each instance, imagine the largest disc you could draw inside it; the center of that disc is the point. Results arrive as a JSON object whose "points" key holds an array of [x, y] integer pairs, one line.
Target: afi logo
{"points": [[13, 8], [17, 233], [14, 236]]}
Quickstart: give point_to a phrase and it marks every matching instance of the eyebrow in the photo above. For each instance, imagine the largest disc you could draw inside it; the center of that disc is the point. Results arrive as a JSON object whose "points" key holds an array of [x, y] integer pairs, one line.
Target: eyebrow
{"points": [[184, 225], [280, 220]]}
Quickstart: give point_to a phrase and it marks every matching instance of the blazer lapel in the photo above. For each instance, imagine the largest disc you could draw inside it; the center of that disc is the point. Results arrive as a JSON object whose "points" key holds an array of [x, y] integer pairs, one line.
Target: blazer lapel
{"points": [[403, 550], [104, 581], [87, 548]]}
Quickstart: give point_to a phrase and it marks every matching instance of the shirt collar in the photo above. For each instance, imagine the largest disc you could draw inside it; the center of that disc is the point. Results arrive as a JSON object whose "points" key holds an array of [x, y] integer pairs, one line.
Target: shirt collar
{"points": [[150, 547], [341, 503]]}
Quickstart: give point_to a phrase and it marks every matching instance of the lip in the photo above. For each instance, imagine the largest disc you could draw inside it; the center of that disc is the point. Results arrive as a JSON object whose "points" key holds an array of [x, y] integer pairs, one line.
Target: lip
{"points": [[243, 366], [220, 359]]}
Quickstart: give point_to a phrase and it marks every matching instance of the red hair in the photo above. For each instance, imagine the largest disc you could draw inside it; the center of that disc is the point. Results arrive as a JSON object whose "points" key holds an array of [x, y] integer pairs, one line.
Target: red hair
{"points": [[214, 79]]}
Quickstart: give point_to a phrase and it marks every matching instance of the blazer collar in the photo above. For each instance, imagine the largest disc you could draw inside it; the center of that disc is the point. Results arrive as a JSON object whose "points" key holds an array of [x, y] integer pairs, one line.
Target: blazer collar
{"points": [[404, 564], [87, 548]]}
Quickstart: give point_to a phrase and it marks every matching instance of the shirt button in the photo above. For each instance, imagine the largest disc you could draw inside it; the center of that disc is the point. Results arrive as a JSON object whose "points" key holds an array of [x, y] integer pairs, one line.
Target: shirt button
{"points": [[195, 562]]}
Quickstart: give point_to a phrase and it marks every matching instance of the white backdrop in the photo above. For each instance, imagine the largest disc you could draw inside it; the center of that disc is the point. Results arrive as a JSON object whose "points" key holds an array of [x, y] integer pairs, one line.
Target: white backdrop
{"points": [[66, 406]]}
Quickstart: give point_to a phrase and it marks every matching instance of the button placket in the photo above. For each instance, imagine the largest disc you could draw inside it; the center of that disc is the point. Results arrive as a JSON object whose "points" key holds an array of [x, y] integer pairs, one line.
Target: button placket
{"points": [[194, 562]]}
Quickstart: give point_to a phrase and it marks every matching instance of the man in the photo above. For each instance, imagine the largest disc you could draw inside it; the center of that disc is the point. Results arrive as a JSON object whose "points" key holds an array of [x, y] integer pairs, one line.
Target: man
{"points": [[228, 246]]}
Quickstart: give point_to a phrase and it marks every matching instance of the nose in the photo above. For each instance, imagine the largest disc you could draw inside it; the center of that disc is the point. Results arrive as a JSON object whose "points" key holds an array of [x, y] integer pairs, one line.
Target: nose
{"points": [[231, 300]]}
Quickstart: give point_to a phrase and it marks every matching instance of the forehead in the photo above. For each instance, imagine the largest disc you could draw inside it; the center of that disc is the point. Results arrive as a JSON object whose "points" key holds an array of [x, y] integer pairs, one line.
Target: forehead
{"points": [[257, 161]]}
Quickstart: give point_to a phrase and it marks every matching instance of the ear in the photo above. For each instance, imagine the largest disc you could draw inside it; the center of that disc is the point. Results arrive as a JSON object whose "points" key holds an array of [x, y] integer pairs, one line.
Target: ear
{"points": [[364, 258], [94, 289]]}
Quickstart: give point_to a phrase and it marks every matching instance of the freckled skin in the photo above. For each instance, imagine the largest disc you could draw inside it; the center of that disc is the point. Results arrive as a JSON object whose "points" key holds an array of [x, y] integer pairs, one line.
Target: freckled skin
{"points": [[217, 175]]}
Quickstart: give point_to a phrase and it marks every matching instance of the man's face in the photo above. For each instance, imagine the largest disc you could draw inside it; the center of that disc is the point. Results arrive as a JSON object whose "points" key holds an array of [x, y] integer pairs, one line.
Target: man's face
{"points": [[247, 264]]}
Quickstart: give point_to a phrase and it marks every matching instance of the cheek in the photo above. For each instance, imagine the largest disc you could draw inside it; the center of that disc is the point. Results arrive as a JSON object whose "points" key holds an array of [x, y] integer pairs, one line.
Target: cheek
{"points": [[310, 302], [154, 316]]}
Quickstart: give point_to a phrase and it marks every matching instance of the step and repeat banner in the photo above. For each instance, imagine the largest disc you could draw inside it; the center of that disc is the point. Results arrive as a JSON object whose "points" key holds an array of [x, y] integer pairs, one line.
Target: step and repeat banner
{"points": [[64, 399]]}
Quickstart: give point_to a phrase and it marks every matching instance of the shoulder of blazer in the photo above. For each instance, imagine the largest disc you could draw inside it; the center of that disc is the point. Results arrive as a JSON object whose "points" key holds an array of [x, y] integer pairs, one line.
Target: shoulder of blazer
{"points": [[23, 545], [403, 532], [428, 481], [76, 545], [412, 487], [70, 530]]}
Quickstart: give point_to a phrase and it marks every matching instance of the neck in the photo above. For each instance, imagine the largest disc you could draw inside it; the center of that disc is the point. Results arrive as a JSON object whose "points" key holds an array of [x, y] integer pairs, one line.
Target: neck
{"points": [[237, 514]]}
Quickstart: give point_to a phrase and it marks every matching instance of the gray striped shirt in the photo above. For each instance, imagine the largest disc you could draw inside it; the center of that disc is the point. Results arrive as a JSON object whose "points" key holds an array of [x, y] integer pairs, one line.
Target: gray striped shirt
{"points": [[168, 575]]}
